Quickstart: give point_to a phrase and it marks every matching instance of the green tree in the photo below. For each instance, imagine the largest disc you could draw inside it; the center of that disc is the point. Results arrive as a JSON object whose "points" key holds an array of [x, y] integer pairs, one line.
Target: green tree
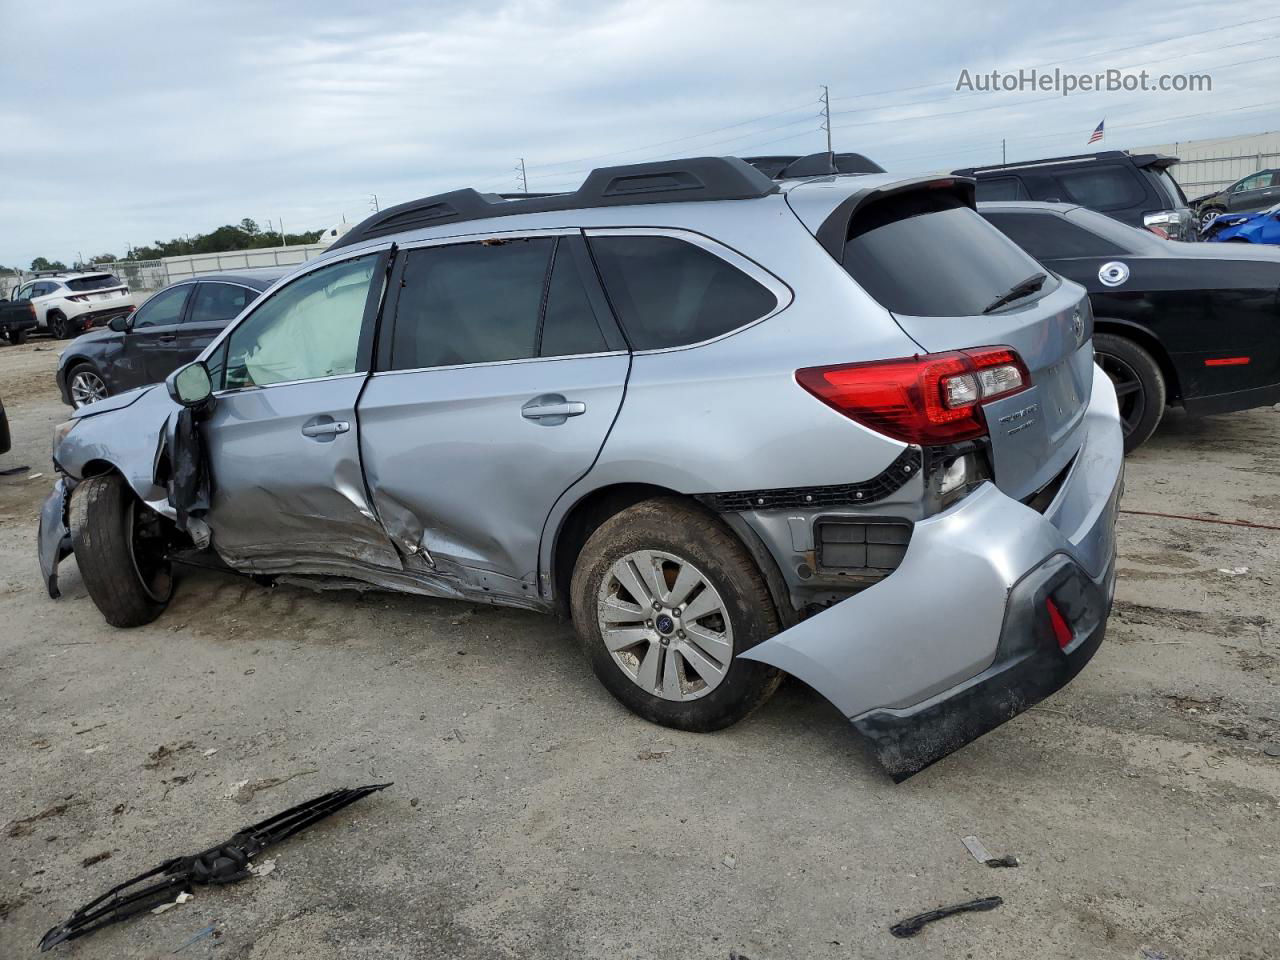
{"points": [[40, 263]]}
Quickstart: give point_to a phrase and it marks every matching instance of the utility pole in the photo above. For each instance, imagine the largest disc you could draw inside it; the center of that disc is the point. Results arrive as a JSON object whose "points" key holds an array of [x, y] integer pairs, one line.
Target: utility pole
{"points": [[826, 114], [373, 199], [524, 177], [1002, 158], [283, 241]]}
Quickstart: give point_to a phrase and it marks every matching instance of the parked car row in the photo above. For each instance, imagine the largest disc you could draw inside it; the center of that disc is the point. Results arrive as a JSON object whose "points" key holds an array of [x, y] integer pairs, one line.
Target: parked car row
{"points": [[64, 304]]}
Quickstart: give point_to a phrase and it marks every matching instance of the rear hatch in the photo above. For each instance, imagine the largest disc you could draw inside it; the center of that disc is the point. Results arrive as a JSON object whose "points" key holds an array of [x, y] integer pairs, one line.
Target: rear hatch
{"points": [[103, 286], [923, 252]]}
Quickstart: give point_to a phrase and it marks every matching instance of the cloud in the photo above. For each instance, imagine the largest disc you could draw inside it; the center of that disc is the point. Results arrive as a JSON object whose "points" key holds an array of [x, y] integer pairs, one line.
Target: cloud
{"points": [[141, 121]]}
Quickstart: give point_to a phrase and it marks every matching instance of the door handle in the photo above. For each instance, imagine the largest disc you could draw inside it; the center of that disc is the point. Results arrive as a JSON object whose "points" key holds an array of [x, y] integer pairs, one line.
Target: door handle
{"points": [[552, 409], [326, 430], [168, 338]]}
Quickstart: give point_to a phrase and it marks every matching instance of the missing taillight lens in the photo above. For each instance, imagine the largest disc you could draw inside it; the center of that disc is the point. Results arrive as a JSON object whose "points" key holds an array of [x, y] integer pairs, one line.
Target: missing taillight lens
{"points": [[927, 399]]}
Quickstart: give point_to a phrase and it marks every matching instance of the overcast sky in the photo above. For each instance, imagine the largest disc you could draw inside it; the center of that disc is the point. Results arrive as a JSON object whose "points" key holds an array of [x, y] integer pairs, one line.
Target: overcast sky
{"points": [[129, 122]]}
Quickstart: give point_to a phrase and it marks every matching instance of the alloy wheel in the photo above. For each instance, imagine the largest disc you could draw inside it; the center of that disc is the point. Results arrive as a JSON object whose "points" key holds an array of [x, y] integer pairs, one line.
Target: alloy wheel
{"points": [[1130, 396], [665, 625], [87, 387]]}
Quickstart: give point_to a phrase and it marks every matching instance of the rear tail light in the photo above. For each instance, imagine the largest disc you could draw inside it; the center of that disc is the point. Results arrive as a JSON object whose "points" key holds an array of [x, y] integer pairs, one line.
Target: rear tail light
{"points": [[927, 399], [80, 299]]}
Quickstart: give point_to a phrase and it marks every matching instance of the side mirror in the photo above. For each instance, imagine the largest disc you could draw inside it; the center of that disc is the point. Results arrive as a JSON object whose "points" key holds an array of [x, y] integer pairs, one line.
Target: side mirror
{"points": [[191, 385], [120, 324]]}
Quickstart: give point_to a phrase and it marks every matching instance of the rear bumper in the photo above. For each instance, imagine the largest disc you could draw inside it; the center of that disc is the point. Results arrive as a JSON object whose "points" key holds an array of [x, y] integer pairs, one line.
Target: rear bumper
{"points": [[949, 646], [1232, 402], [17, 323]]}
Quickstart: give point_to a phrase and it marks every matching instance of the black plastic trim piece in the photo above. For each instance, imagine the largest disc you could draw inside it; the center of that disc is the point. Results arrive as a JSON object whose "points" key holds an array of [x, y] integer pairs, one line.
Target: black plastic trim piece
{"points": [[671, 181], [905, 466]]}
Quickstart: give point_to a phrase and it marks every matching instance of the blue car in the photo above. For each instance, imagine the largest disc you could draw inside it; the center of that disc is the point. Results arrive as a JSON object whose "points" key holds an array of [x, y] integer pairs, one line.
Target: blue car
{"points": [[1260, 227]]}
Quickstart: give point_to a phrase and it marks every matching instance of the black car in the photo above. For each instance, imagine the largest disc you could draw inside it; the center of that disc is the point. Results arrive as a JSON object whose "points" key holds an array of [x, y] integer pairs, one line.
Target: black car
{"points": [[1194, 324], [1136, 189], [170, 329], [1257, 191]]}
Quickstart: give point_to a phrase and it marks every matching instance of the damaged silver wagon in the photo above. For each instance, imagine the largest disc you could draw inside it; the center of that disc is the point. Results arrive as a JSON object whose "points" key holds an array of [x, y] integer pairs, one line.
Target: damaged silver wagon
{"points": [[836, 427]]}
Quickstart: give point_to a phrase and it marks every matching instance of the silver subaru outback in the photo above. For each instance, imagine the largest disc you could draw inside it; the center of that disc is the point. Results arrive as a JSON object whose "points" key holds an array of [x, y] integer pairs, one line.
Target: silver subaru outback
{"points": [[835, 427]]}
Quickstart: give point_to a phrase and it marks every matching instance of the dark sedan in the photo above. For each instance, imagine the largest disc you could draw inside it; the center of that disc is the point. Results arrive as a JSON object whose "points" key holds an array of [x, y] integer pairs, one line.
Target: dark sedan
{"points": [[1194, 324], [170, 329]]}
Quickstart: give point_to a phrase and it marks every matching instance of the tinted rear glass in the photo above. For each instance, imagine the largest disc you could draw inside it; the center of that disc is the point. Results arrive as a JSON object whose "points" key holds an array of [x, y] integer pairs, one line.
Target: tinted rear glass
{"points": [[1174, 189], [669, 293], [926, 254], [1001, 188], [1047, 236], [104, 282]]}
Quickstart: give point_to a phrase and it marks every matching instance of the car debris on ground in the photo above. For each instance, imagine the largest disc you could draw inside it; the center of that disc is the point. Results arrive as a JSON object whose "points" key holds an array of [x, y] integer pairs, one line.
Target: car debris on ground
{"points": [[913, 925], [228, 862], [984, 856]]}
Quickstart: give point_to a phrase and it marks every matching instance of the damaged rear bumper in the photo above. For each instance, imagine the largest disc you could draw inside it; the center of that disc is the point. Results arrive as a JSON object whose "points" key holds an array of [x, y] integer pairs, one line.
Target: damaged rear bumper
{"points": [[957, 640]]}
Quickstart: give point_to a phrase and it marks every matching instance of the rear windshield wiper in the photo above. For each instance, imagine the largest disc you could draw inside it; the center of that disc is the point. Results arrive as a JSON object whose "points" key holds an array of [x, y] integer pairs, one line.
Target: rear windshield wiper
{"points": [[1017, 292]]}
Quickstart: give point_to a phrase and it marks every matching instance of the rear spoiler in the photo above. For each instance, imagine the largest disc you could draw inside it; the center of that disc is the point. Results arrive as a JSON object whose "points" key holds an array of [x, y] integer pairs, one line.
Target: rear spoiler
{"points": [[834, 230], [792, 167]]}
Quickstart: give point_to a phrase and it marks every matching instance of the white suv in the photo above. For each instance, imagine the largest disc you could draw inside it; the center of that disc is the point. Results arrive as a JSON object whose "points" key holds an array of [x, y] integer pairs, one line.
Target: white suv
{"points": [[70, 303]]}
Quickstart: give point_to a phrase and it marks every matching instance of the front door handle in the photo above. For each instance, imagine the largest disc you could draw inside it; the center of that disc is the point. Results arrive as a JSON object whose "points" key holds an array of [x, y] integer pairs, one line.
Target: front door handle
{"points": [[551, 409], [325, 431]]}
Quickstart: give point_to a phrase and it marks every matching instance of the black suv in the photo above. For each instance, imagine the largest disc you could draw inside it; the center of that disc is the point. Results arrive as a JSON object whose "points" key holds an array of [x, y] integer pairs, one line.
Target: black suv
{"points": [[1136, 189]]}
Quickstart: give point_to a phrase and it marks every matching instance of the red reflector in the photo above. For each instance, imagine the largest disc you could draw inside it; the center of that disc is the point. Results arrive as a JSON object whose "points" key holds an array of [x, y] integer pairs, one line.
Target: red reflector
{"points": [[1227, 362], [932, 398], [1060, 629]]}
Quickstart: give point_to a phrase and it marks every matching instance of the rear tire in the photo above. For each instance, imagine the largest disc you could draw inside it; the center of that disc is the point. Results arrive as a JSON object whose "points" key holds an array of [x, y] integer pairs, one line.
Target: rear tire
{"points": [[1139, 383], [120, 548], [16, 337], [697, 681], [59, 326]]}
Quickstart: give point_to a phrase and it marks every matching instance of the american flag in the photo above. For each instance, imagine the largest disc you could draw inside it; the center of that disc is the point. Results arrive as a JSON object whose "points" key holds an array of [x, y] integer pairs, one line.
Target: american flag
{"points": [[1097, 133]]}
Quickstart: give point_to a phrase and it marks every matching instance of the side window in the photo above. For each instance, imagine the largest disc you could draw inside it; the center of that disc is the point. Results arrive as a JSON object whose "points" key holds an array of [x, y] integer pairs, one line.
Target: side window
{"points": [[1256, 182], [27, 292], [470, 303], [1102, 188], [219, 302], [1001, 188], [163, 309], [305, 330], [670, 293], [569, 326], [1050, 237]]}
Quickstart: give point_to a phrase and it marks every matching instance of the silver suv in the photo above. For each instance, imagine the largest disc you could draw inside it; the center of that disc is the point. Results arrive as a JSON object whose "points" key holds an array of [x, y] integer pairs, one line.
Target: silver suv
{"points": [[838, 428]]}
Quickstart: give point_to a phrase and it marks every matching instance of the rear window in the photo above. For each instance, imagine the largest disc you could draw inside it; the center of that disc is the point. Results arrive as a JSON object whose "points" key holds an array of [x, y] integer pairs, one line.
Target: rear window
{"points": [[84, 284], [926, 254], [670, 293], [1102, 188], [1047, 236], [1170, 185]]}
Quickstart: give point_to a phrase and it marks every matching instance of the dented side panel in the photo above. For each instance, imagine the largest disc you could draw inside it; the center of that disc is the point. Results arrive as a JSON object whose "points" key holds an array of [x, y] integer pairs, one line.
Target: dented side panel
{"points": [[289, 501]]}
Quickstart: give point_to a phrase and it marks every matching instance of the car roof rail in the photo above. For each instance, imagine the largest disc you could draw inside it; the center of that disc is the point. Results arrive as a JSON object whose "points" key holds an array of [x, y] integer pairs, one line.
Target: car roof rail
{"points": [[691, 180], [790, 167], [1141, 159]]}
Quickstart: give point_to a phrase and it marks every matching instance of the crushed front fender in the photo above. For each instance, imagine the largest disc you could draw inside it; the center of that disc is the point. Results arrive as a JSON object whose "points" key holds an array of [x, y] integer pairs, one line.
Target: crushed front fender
{"points": [[53, 540]]}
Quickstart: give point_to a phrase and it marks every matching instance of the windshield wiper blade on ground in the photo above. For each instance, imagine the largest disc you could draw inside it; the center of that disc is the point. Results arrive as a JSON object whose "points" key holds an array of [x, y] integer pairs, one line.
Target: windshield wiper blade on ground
{"points": [[225, 863], [1017, 292]]}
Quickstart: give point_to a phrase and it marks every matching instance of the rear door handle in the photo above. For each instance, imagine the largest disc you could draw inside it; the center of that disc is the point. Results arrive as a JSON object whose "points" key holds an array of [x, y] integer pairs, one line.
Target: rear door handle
{"points": [[552, 409], [325, 431]]}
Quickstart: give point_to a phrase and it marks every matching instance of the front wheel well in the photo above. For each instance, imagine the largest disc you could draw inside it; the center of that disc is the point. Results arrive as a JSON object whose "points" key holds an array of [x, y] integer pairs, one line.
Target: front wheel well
{"points": [[1148, 342]]}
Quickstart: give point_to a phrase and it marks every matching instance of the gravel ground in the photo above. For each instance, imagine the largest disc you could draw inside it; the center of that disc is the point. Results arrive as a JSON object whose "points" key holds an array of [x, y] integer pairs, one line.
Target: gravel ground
{"points": [[532, 816]]}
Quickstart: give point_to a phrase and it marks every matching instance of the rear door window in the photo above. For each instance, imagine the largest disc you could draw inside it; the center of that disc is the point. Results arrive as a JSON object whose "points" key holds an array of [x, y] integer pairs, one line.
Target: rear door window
{"points": [[668, 292], [570, 325], [927, 254], [1110, 187], [1047, 236]]}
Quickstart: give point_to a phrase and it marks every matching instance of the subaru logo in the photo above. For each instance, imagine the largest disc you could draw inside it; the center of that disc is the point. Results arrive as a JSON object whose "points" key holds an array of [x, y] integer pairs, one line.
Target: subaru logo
{"points": [[1077, 326]]}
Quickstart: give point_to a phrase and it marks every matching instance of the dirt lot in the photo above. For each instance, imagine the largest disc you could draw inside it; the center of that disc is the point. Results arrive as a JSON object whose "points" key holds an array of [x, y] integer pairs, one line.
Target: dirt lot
{"points": [[533, 817]]}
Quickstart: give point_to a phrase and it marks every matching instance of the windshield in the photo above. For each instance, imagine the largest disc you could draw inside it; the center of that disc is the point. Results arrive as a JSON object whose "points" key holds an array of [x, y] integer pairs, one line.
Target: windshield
{"points": [[927, 254], [101, 282]]}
